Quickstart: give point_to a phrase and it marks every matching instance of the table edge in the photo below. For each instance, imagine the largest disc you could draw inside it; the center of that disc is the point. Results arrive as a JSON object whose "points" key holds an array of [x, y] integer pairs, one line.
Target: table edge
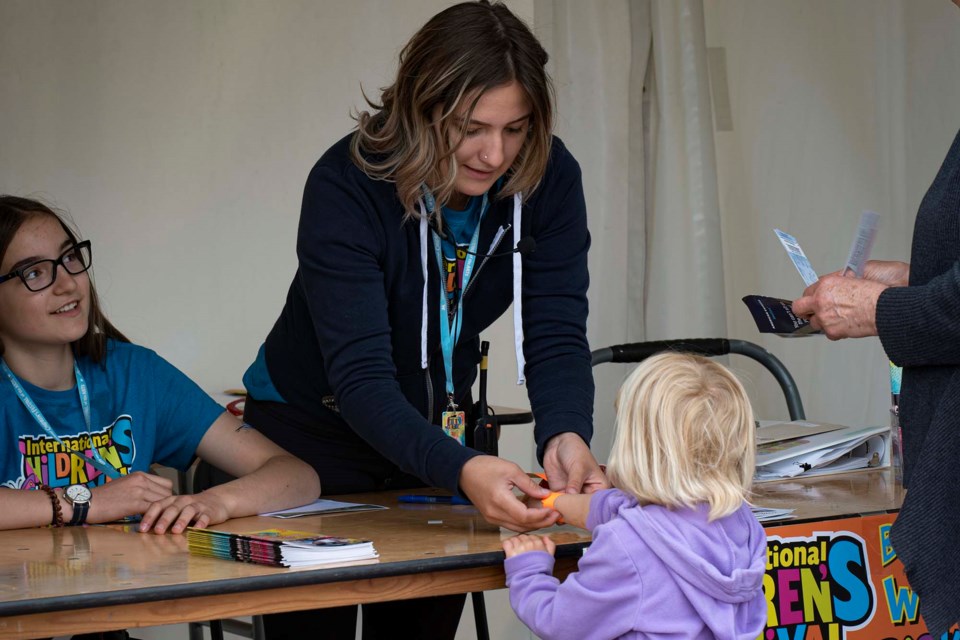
{"points": [[280, 580]]}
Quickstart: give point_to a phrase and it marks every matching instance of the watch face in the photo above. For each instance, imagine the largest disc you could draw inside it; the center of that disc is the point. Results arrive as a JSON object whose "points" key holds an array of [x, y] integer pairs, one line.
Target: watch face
{"points": [[78, 493]]}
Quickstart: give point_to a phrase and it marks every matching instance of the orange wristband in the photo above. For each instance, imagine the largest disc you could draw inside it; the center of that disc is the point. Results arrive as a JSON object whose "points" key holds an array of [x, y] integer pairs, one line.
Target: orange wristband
{"points": [[549, 500]]}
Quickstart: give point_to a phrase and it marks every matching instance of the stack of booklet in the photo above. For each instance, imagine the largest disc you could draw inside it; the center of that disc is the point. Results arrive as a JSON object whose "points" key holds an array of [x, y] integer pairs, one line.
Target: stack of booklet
{"points": [[278, 547]]}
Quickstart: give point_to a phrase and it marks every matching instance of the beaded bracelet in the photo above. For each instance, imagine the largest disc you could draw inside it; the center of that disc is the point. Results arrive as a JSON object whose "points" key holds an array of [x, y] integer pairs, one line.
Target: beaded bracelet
{"points": [[57, 520]]}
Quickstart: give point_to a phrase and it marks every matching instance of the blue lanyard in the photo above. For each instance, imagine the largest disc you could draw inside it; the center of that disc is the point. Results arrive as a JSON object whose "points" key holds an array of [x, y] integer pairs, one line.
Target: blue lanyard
{"points": [[450, 328], [34, 411]]}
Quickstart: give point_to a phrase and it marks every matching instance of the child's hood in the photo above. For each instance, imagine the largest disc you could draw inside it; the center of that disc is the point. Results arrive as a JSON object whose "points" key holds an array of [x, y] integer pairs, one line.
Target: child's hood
{"points": [[714, 562]]}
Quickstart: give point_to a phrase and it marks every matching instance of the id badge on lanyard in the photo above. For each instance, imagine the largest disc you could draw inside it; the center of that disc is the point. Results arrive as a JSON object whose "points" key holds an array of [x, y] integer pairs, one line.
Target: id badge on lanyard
{"points": [[453, 420]]}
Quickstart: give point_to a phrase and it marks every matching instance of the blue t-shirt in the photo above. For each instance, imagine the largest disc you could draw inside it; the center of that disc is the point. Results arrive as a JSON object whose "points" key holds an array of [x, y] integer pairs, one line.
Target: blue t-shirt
{"points": [[462, 224], [460, 227], [142, 410]]}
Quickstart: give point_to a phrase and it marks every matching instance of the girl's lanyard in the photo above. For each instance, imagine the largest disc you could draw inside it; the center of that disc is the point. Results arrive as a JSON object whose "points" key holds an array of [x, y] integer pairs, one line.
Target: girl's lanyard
{"points": [[453, 420], [97, 461]]}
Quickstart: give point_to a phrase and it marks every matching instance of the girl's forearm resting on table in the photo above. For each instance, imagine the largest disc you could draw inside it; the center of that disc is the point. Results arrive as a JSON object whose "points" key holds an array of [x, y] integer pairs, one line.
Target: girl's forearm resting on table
{"points": [[282, 482], [267, 477], [26, 509]]}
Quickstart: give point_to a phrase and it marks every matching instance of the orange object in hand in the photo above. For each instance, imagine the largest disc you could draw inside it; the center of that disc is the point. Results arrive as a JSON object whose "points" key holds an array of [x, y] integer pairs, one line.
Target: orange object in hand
{"points": [[549, 500]]}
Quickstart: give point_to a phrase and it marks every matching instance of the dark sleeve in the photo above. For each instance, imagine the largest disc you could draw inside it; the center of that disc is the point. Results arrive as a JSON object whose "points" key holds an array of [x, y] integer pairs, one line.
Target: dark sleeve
{"points": [[339, 248], [555, 280], [918, 325]]}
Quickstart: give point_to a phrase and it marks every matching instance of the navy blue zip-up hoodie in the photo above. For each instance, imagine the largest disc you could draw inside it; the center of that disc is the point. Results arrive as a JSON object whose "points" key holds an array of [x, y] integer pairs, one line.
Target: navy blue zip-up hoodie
{"points": [[351, 325]]}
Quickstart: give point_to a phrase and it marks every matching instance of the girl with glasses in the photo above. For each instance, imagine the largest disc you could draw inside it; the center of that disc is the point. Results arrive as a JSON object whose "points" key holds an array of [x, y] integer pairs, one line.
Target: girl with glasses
{"points": [[84, 413]]}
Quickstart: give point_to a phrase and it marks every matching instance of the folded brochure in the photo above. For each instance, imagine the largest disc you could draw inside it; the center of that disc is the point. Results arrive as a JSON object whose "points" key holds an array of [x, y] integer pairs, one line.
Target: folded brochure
{"points": [[775, 315], [322, 507], [278, 547]]}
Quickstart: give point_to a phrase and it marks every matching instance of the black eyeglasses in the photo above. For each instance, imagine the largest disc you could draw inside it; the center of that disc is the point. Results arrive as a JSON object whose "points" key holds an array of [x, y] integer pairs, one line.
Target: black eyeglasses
{"points": [[39, 275]]}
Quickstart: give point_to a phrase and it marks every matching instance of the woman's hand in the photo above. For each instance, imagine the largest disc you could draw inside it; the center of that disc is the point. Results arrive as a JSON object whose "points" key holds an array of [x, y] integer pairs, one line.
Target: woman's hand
{"points": [[128, 495], [489, 483], [176, 513], [570, 467], [523, 543]]}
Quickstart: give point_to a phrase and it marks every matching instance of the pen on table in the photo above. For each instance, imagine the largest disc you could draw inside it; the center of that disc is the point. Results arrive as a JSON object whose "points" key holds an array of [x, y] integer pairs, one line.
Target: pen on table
{"points": [[412, 499]]}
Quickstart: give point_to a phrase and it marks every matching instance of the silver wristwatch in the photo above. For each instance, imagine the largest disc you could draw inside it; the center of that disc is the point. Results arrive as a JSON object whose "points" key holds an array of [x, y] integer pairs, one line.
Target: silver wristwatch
{"points": [[78, 495]]}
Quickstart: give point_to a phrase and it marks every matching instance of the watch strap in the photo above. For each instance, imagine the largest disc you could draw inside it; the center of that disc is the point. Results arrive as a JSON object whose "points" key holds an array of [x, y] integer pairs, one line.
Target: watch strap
{"points": [[80, 510]]}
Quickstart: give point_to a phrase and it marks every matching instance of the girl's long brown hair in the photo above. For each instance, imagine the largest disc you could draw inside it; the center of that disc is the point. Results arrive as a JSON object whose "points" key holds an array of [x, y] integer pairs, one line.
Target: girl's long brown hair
{"points": [[14, 212]]}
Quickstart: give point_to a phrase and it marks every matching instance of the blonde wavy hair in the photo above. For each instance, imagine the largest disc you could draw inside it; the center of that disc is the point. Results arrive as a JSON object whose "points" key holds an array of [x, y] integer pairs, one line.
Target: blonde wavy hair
{"points": [[449, 63], [685, 435]]}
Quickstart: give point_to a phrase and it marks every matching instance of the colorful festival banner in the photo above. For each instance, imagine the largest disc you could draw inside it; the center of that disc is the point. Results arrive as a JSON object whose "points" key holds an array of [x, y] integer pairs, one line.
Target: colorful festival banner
{"points": [[839, 579]]}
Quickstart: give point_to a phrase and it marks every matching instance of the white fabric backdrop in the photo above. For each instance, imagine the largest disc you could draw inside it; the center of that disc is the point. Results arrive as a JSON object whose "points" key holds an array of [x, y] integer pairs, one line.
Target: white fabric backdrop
{"points": [[829, 108], [836, 107], [649, 171]]}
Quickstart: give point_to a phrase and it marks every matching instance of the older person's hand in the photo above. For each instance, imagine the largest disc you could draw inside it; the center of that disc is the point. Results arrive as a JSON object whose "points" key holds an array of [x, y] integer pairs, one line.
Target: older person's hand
{"points": [[842, 307], [889, 272]]}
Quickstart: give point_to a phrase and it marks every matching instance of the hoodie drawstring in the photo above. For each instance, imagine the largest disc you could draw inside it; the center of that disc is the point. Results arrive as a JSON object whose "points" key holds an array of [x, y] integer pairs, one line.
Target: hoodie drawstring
{"points": [[426, 279], [517, 286], [517, 289]]}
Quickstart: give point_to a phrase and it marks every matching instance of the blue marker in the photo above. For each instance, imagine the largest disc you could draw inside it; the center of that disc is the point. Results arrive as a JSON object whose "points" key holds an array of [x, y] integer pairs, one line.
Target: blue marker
{"points": [[412, 499]]}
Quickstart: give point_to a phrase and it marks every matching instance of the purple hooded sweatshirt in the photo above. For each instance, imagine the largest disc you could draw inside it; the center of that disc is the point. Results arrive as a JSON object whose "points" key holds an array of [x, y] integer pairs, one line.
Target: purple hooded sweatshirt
{"points": [[649, 573]]}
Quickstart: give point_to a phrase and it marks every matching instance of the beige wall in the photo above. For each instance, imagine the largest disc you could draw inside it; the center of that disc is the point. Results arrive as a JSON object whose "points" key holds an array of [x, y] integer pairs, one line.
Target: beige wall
{"points": [[179, 135]]}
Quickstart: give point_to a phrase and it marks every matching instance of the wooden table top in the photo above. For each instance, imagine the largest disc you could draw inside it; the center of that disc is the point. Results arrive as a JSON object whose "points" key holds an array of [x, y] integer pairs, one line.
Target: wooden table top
{"points": [[44, 570], [829, 497], [55, 569]]}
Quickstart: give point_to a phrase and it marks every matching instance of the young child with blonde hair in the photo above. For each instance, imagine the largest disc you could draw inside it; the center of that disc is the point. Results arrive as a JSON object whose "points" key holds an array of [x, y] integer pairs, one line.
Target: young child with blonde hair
{"points": [[676, 550]]}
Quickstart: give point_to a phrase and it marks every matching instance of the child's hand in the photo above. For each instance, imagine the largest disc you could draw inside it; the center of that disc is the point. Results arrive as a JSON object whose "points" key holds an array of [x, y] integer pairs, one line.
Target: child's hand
{"points": [[523, 543]]}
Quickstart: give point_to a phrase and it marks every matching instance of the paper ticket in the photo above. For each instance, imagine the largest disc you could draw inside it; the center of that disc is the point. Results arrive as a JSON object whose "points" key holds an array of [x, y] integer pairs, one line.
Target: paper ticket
{"points": [[797, 256], [862, 243]]}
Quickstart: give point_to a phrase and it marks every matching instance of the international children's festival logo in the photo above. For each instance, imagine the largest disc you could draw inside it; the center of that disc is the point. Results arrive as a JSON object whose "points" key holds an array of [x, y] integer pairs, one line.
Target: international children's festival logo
{"points": [[821, 587], [50, 461], [817, 587]]}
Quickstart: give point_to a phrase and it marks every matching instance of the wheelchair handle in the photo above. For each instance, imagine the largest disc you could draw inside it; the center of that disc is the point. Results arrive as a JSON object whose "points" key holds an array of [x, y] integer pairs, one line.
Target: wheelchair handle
{"points": [[639, 351]]}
